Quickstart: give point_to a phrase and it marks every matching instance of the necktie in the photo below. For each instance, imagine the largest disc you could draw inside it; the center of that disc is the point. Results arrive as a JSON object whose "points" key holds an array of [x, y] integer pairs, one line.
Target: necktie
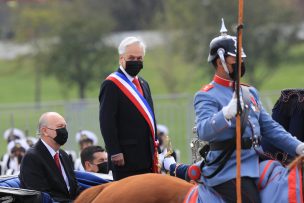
{"points": [[136, 83], [56, 158]]}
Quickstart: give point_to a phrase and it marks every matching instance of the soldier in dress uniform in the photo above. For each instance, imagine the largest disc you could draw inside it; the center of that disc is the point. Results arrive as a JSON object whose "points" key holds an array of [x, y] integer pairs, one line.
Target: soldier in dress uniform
{"points": [[13, 134], [84, 138], [165, 142], [31, 141], [9, 135], [16, 149], [216, 107]]}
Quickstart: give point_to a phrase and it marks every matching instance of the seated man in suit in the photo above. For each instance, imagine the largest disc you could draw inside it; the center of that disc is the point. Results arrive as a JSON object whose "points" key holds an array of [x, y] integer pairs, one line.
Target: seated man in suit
{"points": [[46, 167]]}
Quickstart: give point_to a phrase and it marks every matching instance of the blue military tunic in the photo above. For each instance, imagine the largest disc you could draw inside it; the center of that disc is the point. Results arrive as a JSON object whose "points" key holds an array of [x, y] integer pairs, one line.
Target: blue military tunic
{"points": [[213, 127]]}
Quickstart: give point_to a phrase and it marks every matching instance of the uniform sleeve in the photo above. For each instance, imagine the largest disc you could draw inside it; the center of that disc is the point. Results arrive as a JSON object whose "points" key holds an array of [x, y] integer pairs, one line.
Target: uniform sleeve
{"points": [[209, 119], [108, 112], [273, 132], [33, 179]]}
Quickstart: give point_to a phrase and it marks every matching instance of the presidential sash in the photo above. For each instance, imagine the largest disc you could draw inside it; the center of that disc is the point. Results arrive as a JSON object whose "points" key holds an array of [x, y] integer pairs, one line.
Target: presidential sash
{"points": [[129, 89]]}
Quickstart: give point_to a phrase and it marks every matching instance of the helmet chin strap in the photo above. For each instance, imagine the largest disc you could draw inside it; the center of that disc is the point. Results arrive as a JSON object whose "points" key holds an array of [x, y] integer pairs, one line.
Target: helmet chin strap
{"points": [[221, 52]]}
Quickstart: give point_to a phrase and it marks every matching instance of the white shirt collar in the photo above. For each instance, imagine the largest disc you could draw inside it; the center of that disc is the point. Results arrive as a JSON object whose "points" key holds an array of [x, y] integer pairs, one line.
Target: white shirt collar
{"points": [[51, 150], [128, 76]]}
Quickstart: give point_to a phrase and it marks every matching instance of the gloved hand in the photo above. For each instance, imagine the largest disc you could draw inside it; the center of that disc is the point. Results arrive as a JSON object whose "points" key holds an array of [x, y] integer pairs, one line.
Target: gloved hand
{"points": [[230, 110], [300, 149], [168, 161]]}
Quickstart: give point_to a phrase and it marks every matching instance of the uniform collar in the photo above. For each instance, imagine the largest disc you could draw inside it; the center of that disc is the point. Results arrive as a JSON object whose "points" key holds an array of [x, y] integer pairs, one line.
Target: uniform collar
{"points": [[222, 81]]}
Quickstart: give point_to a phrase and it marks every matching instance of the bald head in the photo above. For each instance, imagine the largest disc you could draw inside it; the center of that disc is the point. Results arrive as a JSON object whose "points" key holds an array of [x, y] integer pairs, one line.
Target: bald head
{"points": [[51, 120]]}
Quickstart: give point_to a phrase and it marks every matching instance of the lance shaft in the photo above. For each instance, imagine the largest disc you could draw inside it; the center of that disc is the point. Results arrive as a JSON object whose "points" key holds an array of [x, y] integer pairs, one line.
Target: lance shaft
{"points": [[239, 109]]}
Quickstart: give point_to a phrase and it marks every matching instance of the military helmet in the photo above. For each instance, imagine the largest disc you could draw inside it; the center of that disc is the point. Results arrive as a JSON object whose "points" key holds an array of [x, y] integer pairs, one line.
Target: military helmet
{"points": [[224, 42]]}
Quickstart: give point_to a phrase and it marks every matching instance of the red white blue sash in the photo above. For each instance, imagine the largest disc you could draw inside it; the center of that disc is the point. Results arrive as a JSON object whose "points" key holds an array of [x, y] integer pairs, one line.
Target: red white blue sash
{"points": [[129, 89]]}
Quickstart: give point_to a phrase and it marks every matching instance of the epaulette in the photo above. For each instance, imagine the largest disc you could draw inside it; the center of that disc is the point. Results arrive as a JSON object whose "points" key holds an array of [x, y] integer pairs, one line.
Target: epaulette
{"points": [[206, 88]]}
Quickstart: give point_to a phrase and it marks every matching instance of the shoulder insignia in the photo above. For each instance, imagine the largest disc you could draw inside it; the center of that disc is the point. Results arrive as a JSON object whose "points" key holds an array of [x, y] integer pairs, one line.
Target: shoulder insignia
{"points": [[206, 88], [245, 84], [253, 101]]}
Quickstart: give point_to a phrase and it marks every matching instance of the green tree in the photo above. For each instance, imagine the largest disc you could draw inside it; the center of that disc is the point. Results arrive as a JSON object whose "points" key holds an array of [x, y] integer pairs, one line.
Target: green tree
{"points": [[133, 14], [79, 56], [34, 24]]}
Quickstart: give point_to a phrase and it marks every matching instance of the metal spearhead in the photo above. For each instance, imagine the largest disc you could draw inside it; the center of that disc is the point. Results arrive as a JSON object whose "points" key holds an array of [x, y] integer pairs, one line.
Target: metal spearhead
{"points": [[223, 30]]}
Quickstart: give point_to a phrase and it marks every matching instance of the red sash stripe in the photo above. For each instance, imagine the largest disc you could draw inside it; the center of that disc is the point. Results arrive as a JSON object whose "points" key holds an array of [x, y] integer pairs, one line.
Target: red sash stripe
{"points": [[263, 175], [292, 188], [301, 184], [192, 195]]}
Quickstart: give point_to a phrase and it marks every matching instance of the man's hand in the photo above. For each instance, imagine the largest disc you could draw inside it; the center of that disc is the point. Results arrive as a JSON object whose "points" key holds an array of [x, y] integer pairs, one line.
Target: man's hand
{"points": [[300, 149], [230, 110], [118, 159]]}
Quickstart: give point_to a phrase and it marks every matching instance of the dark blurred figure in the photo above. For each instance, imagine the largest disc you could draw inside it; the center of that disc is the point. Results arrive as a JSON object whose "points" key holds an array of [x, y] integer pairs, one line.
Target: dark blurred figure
{"points": [[289, 112]]}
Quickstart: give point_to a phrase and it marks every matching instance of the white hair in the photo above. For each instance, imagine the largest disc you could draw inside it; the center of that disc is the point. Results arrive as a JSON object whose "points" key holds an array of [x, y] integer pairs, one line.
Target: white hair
{"points": [[128, 41]]}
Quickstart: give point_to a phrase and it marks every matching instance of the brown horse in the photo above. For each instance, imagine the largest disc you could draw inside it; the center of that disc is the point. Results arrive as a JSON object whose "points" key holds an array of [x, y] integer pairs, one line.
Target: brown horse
{"points": [[150, 188], [146, 188]]}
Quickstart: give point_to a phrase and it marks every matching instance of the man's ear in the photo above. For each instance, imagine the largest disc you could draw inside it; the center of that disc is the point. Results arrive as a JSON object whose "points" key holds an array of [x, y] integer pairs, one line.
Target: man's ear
{"points": [[121, 58], [218, 62], [87, 166], [43, 130]]}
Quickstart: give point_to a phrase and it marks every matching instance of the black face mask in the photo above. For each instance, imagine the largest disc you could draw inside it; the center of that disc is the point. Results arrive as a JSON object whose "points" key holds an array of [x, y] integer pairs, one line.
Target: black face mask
{"points": [[133, 67], [234, 67], [62, 136], [103, 168]]}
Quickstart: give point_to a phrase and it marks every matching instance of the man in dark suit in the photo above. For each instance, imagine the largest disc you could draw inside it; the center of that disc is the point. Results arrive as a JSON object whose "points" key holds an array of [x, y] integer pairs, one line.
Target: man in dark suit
{"points": [[46, 167], [126, 115]]}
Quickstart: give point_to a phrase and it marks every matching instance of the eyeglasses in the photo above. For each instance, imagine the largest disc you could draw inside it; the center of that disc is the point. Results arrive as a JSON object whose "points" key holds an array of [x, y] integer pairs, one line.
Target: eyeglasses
{"points": [[51, 128], [56, 128]]}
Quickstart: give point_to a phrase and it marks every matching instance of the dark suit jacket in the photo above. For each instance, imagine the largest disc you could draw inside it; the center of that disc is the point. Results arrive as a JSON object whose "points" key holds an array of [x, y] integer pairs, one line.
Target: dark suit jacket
{"points": [[38, 171], [123, 127]]}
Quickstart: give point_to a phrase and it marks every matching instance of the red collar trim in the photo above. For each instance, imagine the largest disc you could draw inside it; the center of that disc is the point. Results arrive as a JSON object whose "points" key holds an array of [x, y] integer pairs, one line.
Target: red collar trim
{"points": [[222, 81]]}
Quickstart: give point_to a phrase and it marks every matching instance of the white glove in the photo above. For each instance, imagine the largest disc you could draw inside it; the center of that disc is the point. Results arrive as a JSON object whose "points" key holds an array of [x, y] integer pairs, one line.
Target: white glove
{"points": [[168, 162], [230, 110], [300, 149]]}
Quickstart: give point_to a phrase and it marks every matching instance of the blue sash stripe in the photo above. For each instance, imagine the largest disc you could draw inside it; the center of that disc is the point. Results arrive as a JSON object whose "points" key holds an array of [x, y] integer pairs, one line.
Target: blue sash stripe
{"points": [[122, 76]]}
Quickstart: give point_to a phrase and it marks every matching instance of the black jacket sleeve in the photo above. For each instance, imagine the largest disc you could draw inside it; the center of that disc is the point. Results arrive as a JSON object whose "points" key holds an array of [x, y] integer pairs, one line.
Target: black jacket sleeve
{"points": [[108, 113]]}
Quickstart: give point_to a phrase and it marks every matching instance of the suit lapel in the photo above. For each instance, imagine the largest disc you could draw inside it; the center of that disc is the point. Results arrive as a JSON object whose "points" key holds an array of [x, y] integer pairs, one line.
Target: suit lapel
{"points": [[67, 172], [51, 163], [146, 91]]}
